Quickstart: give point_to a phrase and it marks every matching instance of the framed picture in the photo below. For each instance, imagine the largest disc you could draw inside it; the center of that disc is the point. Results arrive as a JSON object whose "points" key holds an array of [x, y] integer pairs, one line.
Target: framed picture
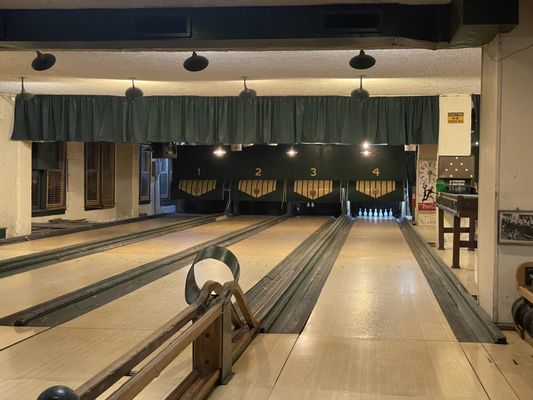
{"points": [[515, 227]]}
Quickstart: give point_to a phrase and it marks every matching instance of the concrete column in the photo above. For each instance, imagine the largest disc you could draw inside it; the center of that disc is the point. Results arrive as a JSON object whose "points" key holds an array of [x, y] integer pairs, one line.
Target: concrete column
{"points": [[127, 180], [15, 176], [506, 168], [454, 138]]}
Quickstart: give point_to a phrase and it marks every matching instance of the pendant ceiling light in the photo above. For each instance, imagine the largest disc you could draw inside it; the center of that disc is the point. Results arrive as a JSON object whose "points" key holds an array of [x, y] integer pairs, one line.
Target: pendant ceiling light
{"points": [[362, 61], [23, 95], [247, 94], [133, 92], [360, 93], [195, 63], [43, 61]]}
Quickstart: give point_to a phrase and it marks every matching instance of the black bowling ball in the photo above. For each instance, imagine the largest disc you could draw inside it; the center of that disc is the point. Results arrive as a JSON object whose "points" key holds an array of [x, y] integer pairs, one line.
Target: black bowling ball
{"points": [[58, 393], [528, 321]]}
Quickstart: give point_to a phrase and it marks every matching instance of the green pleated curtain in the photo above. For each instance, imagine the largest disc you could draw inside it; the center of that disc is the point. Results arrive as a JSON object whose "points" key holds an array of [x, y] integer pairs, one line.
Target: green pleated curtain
{"points": [[214, 120]]}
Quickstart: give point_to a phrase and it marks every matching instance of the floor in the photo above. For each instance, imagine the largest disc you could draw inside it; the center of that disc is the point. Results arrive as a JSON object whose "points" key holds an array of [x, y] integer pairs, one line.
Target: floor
{"points": [[376, 332], [33, 287], [467, 274], [53, 242], [71, 353]]}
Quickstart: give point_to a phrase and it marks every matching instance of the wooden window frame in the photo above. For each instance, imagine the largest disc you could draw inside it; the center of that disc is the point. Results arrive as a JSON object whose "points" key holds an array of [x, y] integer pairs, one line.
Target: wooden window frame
{"points": [[167, 200], [104, 170], [47, 192]]}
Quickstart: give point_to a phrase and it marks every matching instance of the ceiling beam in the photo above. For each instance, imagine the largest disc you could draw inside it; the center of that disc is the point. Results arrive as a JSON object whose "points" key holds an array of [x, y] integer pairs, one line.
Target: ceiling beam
{"points": [[259, 28]]}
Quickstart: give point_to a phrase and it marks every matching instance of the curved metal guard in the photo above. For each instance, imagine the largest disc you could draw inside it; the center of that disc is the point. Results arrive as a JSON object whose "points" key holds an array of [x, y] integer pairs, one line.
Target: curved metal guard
{"points": [[222, 254]]}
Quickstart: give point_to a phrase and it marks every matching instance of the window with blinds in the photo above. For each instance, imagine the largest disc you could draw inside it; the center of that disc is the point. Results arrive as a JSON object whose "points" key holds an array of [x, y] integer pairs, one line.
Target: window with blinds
{"points": [[145, 174], [49, 176], [99, 175], [165, 178]]}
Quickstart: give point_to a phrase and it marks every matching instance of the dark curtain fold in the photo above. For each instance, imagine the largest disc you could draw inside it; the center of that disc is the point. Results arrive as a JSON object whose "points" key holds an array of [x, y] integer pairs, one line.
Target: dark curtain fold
{"points": [[214, 120]]}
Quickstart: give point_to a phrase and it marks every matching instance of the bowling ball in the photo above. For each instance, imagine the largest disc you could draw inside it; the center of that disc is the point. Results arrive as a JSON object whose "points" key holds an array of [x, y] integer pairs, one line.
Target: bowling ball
{"points": [[58, 393]]}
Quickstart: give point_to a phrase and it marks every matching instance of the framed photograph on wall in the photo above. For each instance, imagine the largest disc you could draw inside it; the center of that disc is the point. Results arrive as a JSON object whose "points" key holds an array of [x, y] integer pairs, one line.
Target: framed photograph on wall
{"points": [[515, 227]]}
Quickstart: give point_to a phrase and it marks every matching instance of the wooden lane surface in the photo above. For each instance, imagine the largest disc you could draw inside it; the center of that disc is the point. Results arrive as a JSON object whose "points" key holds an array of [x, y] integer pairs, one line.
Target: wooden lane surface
{"points": [[377, 331], [151, 305], [72, 353], [10, 335], [31, 246], [30, 288]]}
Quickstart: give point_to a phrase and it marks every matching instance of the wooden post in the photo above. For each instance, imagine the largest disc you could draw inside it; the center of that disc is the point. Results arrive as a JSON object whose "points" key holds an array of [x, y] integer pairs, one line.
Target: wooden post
{"points": [[456, 241], [472, 234], [441, 229], [206, 349], [226, 361]]}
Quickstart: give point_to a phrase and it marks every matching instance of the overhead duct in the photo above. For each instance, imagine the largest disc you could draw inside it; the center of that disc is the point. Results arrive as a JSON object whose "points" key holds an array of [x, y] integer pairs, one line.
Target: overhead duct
{"points": [[460, 23]]}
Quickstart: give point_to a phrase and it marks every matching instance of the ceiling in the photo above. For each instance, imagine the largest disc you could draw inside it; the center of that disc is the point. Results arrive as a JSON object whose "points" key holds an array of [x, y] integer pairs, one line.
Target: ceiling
{"points": [[36, 4], [321, 72]]}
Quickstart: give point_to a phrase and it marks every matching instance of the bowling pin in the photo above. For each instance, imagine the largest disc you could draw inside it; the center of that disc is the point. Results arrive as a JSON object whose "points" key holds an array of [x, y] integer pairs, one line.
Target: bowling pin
{"points": [[365, 213], [390, 212], [380, 213], [375, 212], [360, 213], [312, 205]]}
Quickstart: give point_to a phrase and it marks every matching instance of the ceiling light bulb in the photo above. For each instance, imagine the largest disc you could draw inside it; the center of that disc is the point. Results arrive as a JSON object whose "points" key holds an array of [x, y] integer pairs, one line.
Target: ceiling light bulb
{"points": [[43, 61], [292, 152], [24, 95], [195, 63], [360, 94], [247, 93], [133, 92], [219, 151], [366, 145], [362, 61]]}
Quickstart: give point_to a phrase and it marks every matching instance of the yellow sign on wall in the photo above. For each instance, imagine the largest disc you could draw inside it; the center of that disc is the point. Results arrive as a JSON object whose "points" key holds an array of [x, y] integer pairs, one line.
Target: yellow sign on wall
{"points": [[456, 117]]}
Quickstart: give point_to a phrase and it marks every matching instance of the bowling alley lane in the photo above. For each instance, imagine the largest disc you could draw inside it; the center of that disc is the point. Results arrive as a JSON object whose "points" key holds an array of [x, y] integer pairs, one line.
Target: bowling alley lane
{"points": [[72, 353], [33, 287], [377, 331], [54, 242]]}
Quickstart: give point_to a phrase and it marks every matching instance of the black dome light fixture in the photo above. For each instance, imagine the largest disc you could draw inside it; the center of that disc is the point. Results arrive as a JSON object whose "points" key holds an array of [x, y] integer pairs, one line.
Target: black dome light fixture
{"points": [[362, 61], [360, 93], [24, 95], [133, 92], [43, 61], [247, 93], [195, 63]]}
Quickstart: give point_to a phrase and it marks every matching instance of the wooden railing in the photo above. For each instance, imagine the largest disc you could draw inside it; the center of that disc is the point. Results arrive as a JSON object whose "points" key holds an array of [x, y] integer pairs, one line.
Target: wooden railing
{"points": [[218, 329]]}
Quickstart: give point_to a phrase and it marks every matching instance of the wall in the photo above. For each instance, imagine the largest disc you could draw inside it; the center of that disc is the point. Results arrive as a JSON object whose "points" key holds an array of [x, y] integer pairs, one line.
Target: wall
{"points": [[506, 143], [455, 138], [15, 179]]}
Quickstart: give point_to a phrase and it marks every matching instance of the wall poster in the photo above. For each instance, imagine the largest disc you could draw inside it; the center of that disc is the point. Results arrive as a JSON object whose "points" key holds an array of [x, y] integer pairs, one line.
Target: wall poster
{"points": [[427, 180]]}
